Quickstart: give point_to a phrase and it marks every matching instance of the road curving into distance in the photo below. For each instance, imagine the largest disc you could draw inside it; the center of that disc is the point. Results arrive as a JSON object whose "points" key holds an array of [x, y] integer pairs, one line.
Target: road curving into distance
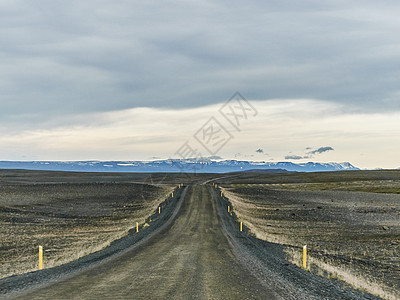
{"points": [[199, 255]]}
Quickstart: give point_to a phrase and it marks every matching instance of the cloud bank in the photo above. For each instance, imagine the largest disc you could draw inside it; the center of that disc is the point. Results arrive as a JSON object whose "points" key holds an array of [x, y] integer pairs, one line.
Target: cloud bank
{"points": [[368, 140], [62, 58]]}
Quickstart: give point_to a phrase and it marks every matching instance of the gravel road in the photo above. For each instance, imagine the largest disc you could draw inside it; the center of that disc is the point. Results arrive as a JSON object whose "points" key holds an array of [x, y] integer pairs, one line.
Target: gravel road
{"points": [[199, 255]]}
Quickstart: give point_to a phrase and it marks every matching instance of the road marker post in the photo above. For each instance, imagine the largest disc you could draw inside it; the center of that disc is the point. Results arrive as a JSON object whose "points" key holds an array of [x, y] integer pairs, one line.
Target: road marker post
{"points": [[172, 195], [40, 257], [241, 226], [137, 227], [305, 257], [159, 210], [221, 193], [228, 208]]}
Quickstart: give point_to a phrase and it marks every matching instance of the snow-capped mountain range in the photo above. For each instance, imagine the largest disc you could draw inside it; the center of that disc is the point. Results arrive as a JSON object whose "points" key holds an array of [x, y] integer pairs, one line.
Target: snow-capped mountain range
{"points": [[204, 165]]}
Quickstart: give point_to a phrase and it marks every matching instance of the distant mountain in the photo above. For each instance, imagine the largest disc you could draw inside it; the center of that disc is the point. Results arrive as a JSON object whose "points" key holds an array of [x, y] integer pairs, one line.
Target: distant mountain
{"points": [[174, 165], [267, 171]]}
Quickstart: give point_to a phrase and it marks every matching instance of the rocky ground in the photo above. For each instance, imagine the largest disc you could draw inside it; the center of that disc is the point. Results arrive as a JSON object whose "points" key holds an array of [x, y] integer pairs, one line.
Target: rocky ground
{"points": [[70, 216], [353, 236]]}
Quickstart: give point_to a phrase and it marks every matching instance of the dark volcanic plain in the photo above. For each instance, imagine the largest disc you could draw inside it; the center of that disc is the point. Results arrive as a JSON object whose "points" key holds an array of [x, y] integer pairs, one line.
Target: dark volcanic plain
{"points": [[194, 249], [350, 222], [69, 214]]}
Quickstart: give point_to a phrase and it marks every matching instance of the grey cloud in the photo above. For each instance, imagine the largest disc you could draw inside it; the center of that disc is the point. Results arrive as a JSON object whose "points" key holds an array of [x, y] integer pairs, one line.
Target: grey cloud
{"points": [[295, 157], [83, 56], [310, 154], [321, 150]]}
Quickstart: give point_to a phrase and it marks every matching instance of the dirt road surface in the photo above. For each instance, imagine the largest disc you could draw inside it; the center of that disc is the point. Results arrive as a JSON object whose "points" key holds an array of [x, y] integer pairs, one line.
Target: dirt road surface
{"points": [[194, 258]]}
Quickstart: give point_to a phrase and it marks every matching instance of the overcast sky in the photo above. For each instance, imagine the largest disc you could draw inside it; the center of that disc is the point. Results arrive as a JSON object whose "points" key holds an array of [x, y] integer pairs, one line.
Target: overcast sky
{"points": [[69, 68]]}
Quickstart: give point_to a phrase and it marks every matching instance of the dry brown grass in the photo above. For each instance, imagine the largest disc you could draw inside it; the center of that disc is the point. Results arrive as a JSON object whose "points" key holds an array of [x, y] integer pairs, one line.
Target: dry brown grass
{"points": [[251, 216], [329, 268]]}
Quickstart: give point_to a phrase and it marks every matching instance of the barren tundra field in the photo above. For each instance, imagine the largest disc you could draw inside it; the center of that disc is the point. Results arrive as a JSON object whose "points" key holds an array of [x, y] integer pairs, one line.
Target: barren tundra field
{"points": [[69, 214], [350, 222]]}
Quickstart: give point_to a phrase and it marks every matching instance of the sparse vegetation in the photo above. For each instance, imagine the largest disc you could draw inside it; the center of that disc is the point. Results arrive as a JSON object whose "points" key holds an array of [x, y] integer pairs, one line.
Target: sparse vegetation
{"points": [[69, 219], [352, 228]]}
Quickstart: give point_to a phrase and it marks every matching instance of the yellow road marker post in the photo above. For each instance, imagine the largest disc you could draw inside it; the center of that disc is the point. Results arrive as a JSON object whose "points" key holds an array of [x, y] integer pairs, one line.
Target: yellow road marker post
{"points": [[305, 257], [172, 195], [40, 257], [241, 226], [228, 209], [221, 193], [159, 210], [137, 227]]}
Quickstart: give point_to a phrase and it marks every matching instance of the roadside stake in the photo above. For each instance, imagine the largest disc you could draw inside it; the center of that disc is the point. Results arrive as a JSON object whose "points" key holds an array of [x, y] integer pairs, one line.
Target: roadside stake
{"points": [[305, 257], [40, 257], [228, 208], [172, 195], [159, 210], [221, 193], [137, 227], [241, 226]]}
